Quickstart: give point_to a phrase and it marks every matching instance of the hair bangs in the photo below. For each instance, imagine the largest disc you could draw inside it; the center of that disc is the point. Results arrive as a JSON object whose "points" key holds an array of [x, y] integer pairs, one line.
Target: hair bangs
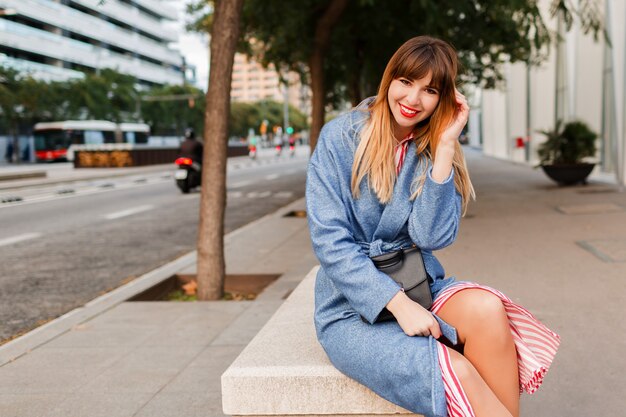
{"points": [[419, 63]]}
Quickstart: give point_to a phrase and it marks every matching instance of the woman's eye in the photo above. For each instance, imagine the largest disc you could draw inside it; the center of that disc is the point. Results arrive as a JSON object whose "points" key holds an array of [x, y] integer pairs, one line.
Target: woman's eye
{"points": [[432, 91], [405, 81]]}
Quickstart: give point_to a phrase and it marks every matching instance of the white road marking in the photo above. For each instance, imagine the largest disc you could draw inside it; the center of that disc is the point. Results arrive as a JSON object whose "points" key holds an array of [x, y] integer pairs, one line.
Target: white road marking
{"points": [[234, 194], [256, 194], [19, 238], [128, 212], [239, 184], [272, 177], [283, 194]]}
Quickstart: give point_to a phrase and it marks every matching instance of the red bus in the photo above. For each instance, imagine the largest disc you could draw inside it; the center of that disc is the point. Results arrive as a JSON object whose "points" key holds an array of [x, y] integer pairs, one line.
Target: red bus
{"points": [[53, 139]]}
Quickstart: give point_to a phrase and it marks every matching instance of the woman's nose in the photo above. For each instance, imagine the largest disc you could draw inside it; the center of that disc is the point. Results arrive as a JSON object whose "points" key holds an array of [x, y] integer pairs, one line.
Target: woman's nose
{"points": [[414, 97]]}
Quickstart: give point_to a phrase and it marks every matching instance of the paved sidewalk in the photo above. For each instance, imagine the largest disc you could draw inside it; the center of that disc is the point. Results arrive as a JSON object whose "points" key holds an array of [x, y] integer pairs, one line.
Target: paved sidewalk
{"points": [[159, 358], [560, 252]]}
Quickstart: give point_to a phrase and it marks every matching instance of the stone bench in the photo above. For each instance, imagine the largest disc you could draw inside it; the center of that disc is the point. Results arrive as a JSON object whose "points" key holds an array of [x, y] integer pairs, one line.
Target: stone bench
{"points": [[284, 371]]}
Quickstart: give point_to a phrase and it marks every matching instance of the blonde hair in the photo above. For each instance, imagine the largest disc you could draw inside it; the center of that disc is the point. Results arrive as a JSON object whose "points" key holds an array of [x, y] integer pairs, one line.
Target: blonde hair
{"points": [[374, 156]]}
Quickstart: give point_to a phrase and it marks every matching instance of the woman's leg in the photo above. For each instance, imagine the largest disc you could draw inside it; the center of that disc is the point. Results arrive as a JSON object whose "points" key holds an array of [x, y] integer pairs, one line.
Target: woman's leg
{"points": [[484, 332], [482, 399]]}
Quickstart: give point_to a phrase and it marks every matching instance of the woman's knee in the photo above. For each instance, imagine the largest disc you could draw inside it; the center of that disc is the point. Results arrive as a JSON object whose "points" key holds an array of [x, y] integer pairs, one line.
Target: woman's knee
{"points": [[463, 368], [487, 307], [476, 312], [491, 322]]}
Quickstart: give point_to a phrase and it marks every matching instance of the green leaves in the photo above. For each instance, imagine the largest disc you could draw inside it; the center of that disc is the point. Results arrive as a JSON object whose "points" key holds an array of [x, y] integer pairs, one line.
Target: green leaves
{"points": [[244, 116], [568, 144], [167, 115]]}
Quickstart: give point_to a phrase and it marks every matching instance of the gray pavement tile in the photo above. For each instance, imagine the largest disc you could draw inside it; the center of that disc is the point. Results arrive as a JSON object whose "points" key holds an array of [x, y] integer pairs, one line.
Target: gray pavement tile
{"points": [[71, 358], [248, 324], [158, 357], [204, 373], [119, 404], [21, 378], [217, 357], [102, 335], [187, 404], [139, 313], [28, 405], [609, 250], [200, 326], [599, 208], [129, 380]]}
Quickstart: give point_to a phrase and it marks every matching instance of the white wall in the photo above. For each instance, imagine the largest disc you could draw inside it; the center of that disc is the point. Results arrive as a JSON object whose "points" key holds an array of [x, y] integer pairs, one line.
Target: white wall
{"points": [[504, 112], [618, 39], [494, 124]]}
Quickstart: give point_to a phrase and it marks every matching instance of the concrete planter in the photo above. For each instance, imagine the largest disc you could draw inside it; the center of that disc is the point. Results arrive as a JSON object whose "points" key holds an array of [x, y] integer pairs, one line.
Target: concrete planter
{"points": [[568, 174]]}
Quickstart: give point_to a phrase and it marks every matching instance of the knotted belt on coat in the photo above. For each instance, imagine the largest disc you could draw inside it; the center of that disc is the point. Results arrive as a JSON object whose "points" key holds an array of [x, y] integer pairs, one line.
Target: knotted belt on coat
{"points": [[378, 246]]}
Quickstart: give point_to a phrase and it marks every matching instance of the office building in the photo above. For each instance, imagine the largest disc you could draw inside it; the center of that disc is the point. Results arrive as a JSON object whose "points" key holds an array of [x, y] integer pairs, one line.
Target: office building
{"points": [[251, 82], [59, 39]]}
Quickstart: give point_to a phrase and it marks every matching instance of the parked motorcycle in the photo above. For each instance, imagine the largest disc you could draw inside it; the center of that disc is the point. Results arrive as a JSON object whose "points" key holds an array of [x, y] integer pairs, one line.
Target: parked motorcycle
{"points": [[188, 175]]}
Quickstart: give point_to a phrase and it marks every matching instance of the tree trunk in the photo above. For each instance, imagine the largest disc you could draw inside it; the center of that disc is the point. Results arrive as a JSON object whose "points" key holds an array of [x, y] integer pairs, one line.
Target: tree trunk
{"points": [[355, 83], [224, 36], [321, 42]]}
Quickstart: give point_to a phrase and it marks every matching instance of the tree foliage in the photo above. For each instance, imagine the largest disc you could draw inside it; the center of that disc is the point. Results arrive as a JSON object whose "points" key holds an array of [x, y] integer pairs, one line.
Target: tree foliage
{"points": [[25, 100], [244, 116], [172, 116], [168, 109], [486, 34]]}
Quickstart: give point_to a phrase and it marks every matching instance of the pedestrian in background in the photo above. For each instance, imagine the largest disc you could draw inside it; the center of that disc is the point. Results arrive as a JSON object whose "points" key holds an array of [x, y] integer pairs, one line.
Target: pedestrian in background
{"points": [[9, 151], [386, 176]]}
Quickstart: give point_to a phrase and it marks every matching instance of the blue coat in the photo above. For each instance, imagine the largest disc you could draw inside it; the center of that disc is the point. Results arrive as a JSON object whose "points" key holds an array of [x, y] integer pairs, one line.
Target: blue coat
{"points": [[345, 232]]}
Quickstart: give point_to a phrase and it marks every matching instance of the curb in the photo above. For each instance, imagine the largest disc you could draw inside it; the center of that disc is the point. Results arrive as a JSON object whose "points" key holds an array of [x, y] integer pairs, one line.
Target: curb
{"points": [[24, 344], [157, 168], [23, 175]]}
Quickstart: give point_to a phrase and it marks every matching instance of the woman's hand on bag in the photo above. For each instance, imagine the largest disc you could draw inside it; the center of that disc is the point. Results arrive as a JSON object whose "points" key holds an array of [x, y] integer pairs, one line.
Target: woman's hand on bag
{"points": [[414, 319]]}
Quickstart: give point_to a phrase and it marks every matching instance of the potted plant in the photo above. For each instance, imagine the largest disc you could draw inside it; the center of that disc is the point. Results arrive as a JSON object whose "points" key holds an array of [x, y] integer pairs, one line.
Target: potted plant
{"points": [[563, 156]]}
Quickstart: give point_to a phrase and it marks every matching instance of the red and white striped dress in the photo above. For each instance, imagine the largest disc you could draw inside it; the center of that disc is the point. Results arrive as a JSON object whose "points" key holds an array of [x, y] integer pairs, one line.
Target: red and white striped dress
{"points": [[536, 344]]}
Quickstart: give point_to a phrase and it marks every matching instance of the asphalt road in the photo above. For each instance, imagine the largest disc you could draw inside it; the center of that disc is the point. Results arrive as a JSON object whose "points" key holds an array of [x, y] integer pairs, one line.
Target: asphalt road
{"points": [[66, 244]]}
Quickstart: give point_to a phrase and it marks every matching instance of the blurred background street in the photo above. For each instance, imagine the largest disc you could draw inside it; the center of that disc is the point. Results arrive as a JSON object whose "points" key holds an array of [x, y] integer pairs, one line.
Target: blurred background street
{"points": [[113, 139]]}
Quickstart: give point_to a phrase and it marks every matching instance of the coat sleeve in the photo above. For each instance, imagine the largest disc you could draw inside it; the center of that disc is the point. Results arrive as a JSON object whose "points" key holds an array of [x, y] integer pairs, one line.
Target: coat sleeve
{"points": [[352, 272], [436, 214]]}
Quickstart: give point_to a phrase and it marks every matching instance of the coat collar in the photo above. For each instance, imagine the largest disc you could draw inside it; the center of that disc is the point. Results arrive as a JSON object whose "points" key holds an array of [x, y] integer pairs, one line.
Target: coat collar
{"points": [[397, 211]]}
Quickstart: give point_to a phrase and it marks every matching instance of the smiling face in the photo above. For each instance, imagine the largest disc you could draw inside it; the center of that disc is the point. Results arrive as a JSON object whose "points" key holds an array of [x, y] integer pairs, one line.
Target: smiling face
{"points": [[410, 102]]}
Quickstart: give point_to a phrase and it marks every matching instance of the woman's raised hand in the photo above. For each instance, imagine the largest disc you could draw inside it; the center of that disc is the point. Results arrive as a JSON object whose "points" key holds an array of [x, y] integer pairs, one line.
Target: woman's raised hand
{"points": [[414, 319], [448, 140], [452, 133]]}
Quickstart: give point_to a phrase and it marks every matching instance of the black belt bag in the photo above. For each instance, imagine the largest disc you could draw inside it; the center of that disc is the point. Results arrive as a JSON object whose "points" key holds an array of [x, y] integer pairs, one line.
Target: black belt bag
{"points": [[406, 267]]}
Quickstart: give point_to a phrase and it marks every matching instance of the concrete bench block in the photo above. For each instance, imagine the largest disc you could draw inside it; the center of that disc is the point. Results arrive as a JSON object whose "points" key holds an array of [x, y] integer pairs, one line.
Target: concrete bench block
{"points": [[285, 372]]}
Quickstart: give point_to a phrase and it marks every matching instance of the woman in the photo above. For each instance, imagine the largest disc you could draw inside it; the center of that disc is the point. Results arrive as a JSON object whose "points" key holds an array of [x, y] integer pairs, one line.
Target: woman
{"points": [[388, 175]]}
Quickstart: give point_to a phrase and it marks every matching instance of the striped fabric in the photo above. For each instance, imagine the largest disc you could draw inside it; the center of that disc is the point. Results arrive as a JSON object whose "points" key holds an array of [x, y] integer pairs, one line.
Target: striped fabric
{"points": [[536, 347], [536, 344], [457, 403], [400, 151]]}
